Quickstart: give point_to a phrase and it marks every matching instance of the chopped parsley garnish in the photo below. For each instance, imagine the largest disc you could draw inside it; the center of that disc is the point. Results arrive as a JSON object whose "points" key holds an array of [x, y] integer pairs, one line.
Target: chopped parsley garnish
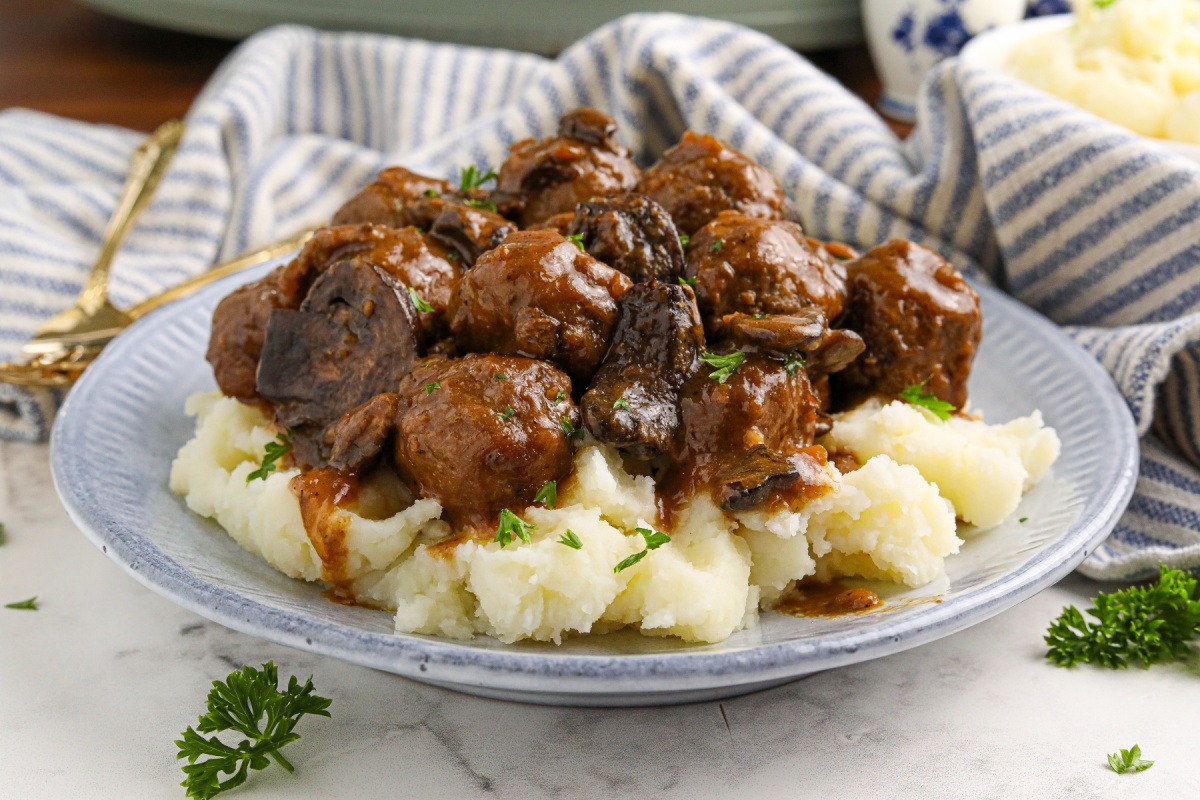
{"points": [[430, 387], [453, 255], [570, 430], [724, 365], [508, 413], [759, 316], [684, 239], [500, 376], [621, 404], [486, 205], [239, 704], [654, 540], [1103, 3], [571, 540], [1149, 624], [794, 362], [1128, 761], [510, 525], [1023, 520], [417, 302], [558, 398], [431, 192], [471, 178], [577, 238], [24, 605], [274, 451], [687, 282], [917, 396], [3, 534], [716, 246], [548, 494]]}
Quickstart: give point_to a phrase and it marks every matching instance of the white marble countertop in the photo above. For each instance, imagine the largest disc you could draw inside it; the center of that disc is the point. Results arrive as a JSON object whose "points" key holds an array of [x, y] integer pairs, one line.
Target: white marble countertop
{"points": [[96, 685]]}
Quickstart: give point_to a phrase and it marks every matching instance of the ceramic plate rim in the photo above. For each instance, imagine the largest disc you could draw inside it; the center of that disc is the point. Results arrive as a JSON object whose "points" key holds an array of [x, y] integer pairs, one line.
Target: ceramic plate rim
{"points": [[452, 662]]}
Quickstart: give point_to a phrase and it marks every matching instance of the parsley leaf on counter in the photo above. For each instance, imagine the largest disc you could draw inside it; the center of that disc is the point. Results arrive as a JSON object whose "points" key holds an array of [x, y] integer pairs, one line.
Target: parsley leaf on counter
{"points": [[654, 540], [418, 303], [548, 494], [1148, 623], [571, 540], [275, 450], [239, 704], [24, 605], [577, 238], [724, 364], [511, 524], [917, 396], [472, 178], [1128, 761]]}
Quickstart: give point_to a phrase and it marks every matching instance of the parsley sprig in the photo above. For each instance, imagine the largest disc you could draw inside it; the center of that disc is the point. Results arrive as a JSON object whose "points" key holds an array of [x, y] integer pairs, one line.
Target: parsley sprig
{"points": [[1128, 761], [512, 525], [472, 178], [654, 540], [240, 703], [274, 451], [418, 303], [724, 365], [548, 494], [917, 396], [1145, 623]]}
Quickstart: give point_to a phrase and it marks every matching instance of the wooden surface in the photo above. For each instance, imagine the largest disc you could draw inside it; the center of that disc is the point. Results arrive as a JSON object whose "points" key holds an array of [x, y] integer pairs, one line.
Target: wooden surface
{"points": [[63, 58]]}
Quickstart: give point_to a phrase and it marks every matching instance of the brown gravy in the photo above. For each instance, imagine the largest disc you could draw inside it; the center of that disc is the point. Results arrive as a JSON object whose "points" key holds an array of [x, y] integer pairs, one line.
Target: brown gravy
{"points": [[828, 600], [322, 492]]}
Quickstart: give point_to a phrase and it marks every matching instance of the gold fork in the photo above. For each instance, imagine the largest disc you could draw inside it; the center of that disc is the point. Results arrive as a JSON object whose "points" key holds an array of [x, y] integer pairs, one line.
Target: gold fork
{"points": [[92, 311], [61, 366]]}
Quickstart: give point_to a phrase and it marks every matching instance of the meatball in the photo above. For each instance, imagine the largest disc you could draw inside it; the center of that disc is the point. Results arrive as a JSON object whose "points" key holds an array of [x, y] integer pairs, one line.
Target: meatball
{"points": [[632, 234], [920, 321], [352, 338], [744, 437], [383, 200], [239, 327], [544, 177], [702, 176], [484, 432], [633, 402], [539, 295], [760, 266]]}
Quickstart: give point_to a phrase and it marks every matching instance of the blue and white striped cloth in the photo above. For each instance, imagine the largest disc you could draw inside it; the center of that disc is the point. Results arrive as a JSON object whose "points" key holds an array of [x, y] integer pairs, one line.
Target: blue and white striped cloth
{"points": [[1089, 224]]}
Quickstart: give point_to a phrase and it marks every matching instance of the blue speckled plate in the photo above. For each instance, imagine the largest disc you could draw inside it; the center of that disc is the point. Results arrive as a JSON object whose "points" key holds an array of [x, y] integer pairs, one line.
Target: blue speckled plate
{"points": [[122, 424]]}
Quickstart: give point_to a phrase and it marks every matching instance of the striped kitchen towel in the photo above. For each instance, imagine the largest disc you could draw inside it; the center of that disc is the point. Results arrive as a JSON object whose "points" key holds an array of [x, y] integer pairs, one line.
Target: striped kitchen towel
{"points": [[1092, 226]]}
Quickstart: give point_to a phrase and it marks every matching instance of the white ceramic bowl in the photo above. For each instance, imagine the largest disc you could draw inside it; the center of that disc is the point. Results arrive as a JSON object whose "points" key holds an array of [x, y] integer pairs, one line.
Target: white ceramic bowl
{"points": [[994, 50]]}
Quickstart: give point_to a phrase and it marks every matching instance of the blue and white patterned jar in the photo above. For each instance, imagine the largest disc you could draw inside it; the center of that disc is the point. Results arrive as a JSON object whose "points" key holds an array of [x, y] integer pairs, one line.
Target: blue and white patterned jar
{"points": [[907, 37]]}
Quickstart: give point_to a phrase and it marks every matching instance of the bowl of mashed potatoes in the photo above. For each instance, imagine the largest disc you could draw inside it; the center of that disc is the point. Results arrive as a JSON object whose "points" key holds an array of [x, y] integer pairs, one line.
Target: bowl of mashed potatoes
{"points": [[1132, 62]]}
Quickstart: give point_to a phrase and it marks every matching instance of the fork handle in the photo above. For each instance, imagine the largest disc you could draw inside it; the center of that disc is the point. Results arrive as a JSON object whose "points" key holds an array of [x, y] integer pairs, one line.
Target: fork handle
{"points": [[148, 165]]}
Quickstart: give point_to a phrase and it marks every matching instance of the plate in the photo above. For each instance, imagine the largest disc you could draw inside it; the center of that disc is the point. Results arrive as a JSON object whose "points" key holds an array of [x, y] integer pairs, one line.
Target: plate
{"points": [[994, 48], [122, 424], [537, 25]]}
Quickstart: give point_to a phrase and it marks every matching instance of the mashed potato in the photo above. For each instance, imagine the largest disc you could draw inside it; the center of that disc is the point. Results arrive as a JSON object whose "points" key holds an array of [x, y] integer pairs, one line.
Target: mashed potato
{"points": [[885, 520], [1134, 62]]}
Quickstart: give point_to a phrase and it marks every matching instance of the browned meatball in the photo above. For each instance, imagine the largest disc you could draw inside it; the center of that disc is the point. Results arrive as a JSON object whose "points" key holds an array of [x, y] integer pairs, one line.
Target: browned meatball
{"points": [[702, 176], [920, 321], [744, 438], [544, 177], [383, 200], [484, 432], [539, 295], [239, 327], [760, 266]]}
